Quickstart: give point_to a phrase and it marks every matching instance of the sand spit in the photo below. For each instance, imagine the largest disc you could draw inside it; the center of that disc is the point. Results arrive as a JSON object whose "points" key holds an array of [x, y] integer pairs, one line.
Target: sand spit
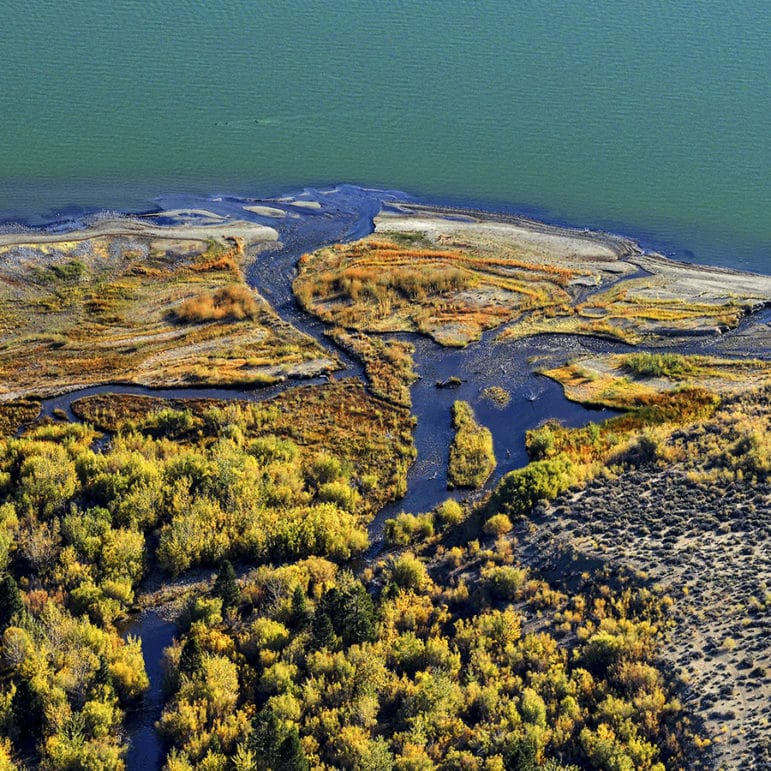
{"points": [[202, 226], [266, 211]]}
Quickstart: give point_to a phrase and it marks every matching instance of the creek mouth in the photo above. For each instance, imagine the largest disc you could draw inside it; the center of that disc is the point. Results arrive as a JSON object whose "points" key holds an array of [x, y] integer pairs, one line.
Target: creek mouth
{"points": [[342, 214]]}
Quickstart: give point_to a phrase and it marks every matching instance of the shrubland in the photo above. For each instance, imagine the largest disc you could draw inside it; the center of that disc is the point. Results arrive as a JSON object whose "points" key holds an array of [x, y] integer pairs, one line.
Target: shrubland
{"points": [[175, 488], [437, 657]]}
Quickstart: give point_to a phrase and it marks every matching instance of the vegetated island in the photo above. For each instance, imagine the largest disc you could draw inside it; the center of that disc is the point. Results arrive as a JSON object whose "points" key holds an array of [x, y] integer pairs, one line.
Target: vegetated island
{"points": [[130, 301], [560, 619]]}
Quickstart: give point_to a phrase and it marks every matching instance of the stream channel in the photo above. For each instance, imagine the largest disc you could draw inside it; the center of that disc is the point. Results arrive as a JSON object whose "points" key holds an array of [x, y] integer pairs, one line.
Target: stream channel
{"points": [[312, 219]]}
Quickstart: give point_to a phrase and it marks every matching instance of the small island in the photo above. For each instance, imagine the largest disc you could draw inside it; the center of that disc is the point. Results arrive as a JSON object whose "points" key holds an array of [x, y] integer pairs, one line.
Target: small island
{"points": [[550, 561]]}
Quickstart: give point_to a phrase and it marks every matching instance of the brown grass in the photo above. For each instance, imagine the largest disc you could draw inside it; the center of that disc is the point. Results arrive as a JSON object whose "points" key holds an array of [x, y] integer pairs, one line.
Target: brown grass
{"points": [[234, 303], [453, 295], [15, 414], [388, 364], [634, 380]]}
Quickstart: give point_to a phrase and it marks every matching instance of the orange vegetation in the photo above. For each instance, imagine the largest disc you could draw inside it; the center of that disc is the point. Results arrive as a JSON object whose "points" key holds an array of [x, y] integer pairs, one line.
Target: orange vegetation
{"points": [[232, 302]]}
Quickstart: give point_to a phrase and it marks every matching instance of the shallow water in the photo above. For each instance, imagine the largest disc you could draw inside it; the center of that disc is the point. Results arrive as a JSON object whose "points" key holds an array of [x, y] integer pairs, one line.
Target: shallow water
{"points": [[146, 750]]}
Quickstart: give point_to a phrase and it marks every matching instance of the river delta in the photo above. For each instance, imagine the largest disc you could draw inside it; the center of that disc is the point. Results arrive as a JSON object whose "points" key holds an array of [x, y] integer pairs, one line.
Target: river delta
{"points": [[322, 342]]}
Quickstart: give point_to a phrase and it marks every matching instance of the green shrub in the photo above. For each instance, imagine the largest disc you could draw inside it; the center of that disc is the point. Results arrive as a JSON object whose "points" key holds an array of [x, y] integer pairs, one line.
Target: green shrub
{"points": [[519, 490], [407, 527], [409, 572], [472, 458], [449, 513], [504, 581], [498, 524], [673, 366], [540, 443]]}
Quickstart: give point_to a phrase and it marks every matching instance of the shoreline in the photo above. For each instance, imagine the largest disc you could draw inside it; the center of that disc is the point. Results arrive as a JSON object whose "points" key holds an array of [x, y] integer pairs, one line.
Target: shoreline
{"points": [[670, 244], [599, 261]]}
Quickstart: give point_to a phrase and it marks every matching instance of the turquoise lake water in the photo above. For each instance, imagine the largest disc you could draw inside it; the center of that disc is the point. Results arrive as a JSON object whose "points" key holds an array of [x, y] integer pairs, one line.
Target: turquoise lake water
{"points": [[650, 118]]}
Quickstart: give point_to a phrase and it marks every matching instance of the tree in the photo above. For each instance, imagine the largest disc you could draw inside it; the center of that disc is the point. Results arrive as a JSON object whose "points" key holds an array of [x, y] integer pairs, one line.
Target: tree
{"points": [[276, 746], [350, 609], [27, 711], [191, 657], [11, 603], [521, 755], [323, 633], [226, 588], [289, 755], [300, 612]]}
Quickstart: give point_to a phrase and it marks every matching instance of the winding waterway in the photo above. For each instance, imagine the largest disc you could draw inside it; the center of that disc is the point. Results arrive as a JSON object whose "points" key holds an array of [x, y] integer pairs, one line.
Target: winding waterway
{"points": [[341, 214]]}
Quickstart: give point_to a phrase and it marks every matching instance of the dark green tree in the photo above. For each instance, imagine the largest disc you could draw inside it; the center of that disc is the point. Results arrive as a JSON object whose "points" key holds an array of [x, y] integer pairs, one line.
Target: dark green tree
{"points": [[323, 633], [11, 603], [276, 747], [191, 657], [102, 675], [27, 711], [225, 586], [300, 612], [289, 755], [521, 755], [351, 610]]}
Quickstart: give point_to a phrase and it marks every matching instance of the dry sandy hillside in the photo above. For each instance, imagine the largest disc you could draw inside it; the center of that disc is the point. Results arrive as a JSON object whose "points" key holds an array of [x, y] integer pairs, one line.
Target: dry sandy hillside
{"points": [[694, 519]]}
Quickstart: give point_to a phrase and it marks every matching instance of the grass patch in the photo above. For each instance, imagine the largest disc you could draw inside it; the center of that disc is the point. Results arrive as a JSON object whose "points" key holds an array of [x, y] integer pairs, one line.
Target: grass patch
{"points": [[15, 414], [233, 303], [394, 283], [497, 395], [636, 380], [388, 364]]}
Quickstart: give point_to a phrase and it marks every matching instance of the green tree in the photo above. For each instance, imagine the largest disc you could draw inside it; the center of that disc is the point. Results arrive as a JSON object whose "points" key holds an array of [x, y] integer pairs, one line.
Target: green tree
{"points": [[289, 754], [299, 609], [275, 746], [27, 710], [225, 586], [323, 633], [521, 755], [11, 603], [351, 610], [191, 657]]}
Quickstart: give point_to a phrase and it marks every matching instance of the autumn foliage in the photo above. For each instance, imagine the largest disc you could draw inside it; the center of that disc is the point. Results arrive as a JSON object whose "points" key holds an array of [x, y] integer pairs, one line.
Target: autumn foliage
{"points": [[234, 303]]}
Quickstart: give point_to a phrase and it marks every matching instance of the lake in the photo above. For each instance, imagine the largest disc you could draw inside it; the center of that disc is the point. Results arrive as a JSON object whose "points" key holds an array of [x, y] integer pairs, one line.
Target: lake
{"points": [[651, 119]]}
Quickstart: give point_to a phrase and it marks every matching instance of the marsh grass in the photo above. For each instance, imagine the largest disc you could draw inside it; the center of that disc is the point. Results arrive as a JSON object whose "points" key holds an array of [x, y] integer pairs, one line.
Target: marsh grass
{"points": [[635, 380], [386, 283], [388, 364], [156, 312], [234, 303], [15, 414]]}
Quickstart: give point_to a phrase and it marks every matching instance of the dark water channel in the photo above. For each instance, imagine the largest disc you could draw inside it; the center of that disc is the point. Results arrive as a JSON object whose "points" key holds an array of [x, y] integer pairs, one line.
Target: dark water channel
{"points": [[346, 213]]}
